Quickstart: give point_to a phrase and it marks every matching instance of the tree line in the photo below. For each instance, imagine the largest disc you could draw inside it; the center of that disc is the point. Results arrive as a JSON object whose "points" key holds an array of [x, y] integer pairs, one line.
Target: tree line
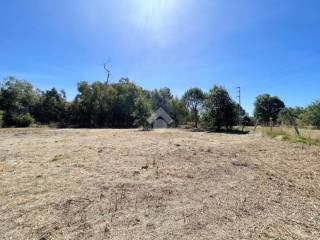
{"points": [[272, 110], [124, 104]]}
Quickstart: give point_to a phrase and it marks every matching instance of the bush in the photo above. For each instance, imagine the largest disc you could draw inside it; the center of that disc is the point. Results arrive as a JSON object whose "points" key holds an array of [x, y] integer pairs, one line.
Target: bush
{"points": [[23, 120]]}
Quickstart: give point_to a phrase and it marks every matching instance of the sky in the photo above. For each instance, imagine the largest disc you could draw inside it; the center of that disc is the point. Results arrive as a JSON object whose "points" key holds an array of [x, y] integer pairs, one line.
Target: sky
{"points": [[262, 46]]}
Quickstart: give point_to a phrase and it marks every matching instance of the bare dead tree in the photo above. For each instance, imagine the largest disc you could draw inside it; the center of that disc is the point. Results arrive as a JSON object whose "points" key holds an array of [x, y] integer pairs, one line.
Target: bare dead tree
{"points": [[108, 72]]}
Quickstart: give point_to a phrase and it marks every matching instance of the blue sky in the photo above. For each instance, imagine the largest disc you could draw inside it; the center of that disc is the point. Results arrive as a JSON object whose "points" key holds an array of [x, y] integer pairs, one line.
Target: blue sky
{"points": [[263, 46]]}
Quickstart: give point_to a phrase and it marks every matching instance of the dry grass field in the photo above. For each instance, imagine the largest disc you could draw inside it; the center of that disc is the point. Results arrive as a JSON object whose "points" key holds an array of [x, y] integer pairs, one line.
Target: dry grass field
{"points": [[164, 184], [304, 132]]}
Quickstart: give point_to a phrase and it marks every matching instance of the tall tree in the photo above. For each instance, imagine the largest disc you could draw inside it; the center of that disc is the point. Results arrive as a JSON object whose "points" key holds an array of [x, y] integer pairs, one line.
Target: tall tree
{"points": [[17, 98], [267, 107], [219, 109], [178, 111], [51, 107], [127, 93], [141, 112], [105, 105], [193, 99], [93, 105], [161, 98]]}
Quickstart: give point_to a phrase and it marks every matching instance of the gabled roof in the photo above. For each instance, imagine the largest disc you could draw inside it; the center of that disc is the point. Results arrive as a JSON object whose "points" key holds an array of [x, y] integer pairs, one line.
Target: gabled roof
{"points": [[160, 113]]}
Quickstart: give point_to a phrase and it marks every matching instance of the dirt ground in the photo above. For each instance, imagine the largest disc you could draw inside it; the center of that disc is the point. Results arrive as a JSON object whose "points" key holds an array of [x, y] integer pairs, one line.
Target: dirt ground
{"points": [[164, 184]]}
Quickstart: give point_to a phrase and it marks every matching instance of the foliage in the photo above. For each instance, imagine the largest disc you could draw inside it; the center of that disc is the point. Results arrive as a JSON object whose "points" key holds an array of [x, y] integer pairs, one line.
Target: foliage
{"points": [[23, 120], [297, 111], [52, 107], [126, 94], [175, 107], [123, 104], [194, 99], [105, 105], [267, 107], [240, 111], [311, 115], [178, 111], [141, 113], [161, 98], [219, 109], [93, 105], [242, 116], [288, 116], [17, 98], [119, 105], [247, 121]]}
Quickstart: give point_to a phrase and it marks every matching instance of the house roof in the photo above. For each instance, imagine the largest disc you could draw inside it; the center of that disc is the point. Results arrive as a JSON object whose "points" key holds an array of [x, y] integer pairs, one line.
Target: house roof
{"points": [[160, 113]]}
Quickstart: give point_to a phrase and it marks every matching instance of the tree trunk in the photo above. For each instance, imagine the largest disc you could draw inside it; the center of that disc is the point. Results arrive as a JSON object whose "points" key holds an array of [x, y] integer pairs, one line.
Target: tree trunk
{"points": [[196, 118]]}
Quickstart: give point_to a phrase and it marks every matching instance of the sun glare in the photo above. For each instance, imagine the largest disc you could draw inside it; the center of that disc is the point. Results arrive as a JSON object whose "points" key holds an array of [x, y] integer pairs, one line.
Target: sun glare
{"points": [[154, 14]]}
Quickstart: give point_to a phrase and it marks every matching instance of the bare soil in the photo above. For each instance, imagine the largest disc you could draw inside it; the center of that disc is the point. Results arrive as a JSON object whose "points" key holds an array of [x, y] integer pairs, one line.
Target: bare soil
{"points": [[164, 184]]}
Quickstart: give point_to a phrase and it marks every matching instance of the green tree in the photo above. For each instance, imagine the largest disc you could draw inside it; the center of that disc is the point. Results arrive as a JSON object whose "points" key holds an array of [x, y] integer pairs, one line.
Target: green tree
{"points": [[193, 99], [311, 115], [17, 99], [178, 111], [289, 116], [219, 109], [52, 107], [161, 99], [241, 113], [141, 113], [247, 121], [127, 93], [93, 105], [175, 107], [267, 107], [105, 105]]}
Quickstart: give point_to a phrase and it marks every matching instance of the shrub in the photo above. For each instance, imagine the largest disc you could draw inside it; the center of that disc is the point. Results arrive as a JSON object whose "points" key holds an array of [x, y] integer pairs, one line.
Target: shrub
{"points": [[23, 120]]}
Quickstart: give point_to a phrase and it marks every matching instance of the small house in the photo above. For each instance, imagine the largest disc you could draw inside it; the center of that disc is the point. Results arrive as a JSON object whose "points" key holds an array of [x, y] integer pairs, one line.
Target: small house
{"points": [[160, 119]]}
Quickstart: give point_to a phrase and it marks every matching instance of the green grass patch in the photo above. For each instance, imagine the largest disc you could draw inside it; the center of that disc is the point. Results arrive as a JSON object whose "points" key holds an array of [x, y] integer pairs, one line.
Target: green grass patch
{"points": [[308, 141]]}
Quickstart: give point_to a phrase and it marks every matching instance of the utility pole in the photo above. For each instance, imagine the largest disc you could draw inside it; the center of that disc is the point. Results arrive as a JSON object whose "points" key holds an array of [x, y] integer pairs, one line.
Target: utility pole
{"points": [[239, 104]]}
